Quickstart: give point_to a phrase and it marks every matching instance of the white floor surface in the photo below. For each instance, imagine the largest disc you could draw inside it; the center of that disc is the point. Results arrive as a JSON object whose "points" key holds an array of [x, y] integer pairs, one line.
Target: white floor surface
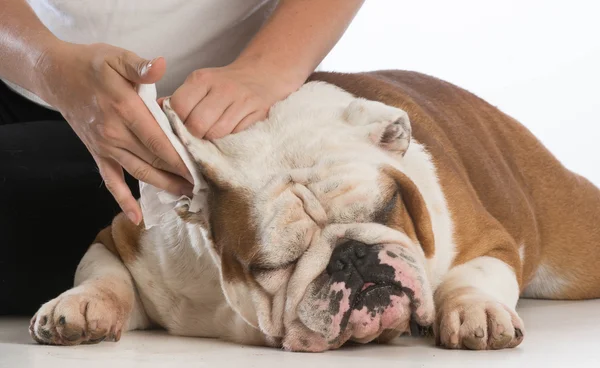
{"points": [[558, 334]]}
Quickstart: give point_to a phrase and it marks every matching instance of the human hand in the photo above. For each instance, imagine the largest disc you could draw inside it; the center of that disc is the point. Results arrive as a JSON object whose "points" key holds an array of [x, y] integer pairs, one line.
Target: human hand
{"points": [[215, 102], [93, 86]]}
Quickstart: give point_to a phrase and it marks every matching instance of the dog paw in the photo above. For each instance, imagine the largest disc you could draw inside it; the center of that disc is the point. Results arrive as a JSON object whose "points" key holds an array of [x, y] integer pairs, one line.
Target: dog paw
{"points": [[83, 315], [477, 323]]}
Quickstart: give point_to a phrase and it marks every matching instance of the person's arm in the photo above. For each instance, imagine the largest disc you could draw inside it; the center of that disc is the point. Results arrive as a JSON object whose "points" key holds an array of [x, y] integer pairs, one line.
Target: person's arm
{"points": [[23, 42], [92, 87], [296, 38]]}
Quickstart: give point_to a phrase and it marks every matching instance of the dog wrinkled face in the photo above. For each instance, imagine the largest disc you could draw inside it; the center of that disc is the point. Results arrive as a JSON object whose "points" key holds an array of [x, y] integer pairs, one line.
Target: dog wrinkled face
{"points": [[319, 236]]}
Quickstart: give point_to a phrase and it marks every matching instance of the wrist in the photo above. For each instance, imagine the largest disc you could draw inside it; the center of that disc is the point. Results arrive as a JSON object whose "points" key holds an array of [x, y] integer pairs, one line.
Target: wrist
{"points": [[285, 78], [47, 66]]}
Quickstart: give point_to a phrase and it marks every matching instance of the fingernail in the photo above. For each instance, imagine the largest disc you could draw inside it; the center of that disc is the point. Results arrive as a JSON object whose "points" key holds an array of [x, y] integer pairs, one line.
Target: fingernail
{"points": [[132, 217], [147, 67]]}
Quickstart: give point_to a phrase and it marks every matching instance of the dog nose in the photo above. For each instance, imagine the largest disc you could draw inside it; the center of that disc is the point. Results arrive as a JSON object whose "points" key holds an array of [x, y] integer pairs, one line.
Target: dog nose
{"points": [[351, 253]]}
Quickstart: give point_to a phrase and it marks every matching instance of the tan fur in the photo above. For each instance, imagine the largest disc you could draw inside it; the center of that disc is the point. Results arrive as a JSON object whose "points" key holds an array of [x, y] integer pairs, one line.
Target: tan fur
{"points": [[502, 185], [124, 239], [416, 211], [105, 237], [197, 218], [236, 239]]}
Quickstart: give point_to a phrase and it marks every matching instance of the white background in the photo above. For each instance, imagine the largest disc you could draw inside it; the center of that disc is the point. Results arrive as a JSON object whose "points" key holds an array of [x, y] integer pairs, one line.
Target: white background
{"points": [[537, 60]]}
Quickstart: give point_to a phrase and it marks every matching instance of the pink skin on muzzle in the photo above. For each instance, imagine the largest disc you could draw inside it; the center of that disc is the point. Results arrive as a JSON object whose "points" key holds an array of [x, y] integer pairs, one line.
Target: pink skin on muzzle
{"points": [[334, 311]]}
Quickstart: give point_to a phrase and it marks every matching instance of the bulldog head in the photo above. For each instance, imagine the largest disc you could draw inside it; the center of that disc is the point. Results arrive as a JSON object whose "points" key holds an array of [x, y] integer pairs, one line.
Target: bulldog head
{"points": [[319, 236]]}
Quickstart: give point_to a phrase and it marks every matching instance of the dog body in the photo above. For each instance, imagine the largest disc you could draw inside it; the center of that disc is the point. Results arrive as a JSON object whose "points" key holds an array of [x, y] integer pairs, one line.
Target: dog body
{"points": [[339, 219]]}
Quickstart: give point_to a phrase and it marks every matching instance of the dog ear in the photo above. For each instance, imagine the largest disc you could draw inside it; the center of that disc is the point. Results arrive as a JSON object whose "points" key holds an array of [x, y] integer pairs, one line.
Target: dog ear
{"points": [[416, 208], [387, 126], [214, 165]]}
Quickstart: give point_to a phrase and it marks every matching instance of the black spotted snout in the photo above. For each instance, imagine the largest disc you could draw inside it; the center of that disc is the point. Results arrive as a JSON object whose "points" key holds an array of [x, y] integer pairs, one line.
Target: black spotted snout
{"points": [[356, 264], [347, 256]]}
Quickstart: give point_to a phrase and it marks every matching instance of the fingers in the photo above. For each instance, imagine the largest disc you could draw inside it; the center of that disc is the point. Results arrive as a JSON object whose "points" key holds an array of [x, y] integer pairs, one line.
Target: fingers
{"points": [[250, 120], [136, 69], [206, 113], [215, 102], [132, 144], [143, 171], [116, 125], [141, 123], [186, 97], [112, 173], [231, 117], [158, 151]]}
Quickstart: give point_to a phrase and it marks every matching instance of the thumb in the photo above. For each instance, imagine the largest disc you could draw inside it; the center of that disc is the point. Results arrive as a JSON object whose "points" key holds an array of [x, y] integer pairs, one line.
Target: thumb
{"points": [[139, 70]]}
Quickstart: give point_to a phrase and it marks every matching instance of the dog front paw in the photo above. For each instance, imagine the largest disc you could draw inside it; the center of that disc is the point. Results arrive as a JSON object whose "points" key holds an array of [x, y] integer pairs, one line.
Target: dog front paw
{"points": [[471, 320], [86, 314]]}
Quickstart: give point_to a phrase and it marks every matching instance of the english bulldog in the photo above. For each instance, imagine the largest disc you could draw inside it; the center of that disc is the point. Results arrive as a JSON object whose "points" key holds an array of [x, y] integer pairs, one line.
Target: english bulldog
{"points": [[365, 204]]}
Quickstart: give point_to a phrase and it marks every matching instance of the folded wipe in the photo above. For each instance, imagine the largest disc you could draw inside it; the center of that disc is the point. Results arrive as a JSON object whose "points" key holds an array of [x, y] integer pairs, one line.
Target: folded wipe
{"points": [[156, 202]]}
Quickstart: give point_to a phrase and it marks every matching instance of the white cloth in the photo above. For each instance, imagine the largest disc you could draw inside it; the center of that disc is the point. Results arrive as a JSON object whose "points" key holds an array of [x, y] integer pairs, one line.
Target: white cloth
{"points": [[189, 34], [155, 202]]}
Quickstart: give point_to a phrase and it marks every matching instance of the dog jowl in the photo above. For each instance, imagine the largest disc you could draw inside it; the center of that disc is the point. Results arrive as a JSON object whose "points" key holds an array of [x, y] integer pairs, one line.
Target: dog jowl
{"points": [[365, 291]]}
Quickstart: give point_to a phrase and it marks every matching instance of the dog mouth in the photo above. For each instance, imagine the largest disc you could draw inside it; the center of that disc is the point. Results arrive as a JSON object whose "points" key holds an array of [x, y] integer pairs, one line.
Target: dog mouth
{"points": [[368, 286], [370, 290], [379, 307], [375, 297], [366, 291]]}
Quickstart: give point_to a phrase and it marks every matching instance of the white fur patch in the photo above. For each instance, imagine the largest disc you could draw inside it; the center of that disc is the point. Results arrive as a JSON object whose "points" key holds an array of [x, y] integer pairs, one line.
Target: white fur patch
{"points": [[522, 253], [488, 275], [419, 167], [545, 284], [98, 263], [177, 278]]}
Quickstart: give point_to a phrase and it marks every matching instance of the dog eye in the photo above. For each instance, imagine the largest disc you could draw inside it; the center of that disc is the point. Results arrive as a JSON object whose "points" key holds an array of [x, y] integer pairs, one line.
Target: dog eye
{"points": [[383, 214], [262, 268]]}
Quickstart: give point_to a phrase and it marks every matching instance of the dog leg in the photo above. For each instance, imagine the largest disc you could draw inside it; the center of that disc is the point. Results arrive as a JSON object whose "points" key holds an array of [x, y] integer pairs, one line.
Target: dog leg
{"points": [[102, 304], [475, 306]]}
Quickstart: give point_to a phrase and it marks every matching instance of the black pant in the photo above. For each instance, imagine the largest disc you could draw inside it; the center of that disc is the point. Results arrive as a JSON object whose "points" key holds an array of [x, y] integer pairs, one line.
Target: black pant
{"points": [[52, 203]]}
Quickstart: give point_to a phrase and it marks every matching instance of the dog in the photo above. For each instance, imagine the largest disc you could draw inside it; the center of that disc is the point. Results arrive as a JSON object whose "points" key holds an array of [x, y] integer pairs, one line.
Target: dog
{"points": [[364, 207]]}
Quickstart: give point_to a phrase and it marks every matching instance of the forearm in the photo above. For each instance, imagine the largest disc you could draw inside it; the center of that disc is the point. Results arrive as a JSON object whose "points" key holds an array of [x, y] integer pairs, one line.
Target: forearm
{"points": [[299, 34], [23, 42]]}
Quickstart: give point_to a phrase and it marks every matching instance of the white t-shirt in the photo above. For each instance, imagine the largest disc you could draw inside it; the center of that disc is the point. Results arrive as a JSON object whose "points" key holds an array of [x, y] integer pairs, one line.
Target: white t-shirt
{"points": [[189, 34]]}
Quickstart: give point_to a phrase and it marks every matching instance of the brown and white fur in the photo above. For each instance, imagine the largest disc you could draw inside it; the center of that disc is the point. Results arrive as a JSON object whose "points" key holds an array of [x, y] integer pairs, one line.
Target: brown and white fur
{"points": [[462, 207]]}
